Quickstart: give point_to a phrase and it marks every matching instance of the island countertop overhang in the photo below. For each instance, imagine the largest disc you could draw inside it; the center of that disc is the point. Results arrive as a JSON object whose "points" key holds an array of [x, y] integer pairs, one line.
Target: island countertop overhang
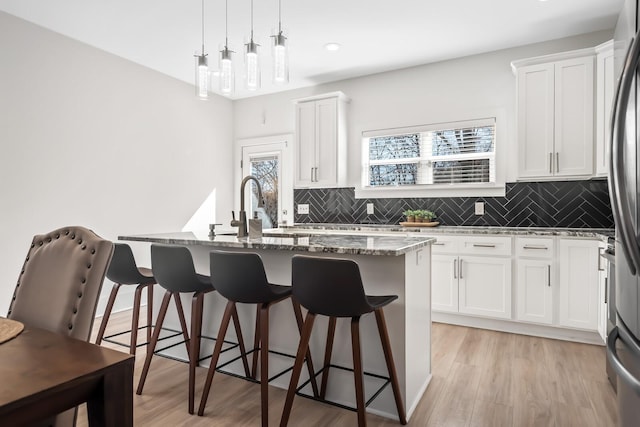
{"points": [[325, 243]]}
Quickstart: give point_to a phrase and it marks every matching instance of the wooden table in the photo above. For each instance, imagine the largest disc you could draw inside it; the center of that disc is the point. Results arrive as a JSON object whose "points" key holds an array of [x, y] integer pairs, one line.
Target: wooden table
{"points": [[43, 374]]}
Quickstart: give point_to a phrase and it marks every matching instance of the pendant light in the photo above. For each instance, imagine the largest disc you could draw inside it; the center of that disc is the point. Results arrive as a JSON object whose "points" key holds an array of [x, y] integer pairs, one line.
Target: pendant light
{"points": [[252, 61], [227, 77], [202, 69], [280, 53]]}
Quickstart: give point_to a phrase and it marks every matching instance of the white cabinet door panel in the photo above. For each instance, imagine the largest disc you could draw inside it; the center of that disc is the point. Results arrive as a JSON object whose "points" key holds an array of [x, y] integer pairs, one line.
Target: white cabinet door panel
{"points": [[444, 283], [327, 142], [534, 291], [484, 285], [578, 285], [305, 143]]}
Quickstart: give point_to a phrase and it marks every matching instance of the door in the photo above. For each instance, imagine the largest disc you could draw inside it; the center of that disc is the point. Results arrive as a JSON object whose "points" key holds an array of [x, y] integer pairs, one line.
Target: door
{"points": [[535, 120], [326, 173], [534, 291], [578, 285], [484, 284], [305, 144], [444, 283], [269, 162], [574, 116]]}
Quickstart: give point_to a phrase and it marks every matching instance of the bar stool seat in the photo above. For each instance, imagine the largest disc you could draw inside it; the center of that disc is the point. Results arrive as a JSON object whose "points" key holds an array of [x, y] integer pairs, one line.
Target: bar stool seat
{"points": [[240, 277], [174, 270], [333, 287], [124, 271]]}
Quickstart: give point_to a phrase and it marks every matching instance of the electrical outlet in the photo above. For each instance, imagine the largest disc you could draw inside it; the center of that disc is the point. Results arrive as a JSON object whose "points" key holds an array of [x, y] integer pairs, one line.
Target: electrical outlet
{"points": [[479, 208], [303, 209], [370, 209]]}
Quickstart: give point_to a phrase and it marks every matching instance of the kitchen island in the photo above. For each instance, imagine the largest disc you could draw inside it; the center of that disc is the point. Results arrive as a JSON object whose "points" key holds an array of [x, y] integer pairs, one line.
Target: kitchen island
{"points": [[389, 265]]}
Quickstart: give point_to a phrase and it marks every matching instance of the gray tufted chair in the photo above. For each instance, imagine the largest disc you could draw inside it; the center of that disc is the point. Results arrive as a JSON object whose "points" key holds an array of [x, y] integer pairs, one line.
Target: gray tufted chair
{"points": [[59, 286]]}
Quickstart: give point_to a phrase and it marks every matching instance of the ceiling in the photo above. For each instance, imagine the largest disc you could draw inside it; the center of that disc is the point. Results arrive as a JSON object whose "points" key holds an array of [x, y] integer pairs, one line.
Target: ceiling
{"points": [[375, 35]]}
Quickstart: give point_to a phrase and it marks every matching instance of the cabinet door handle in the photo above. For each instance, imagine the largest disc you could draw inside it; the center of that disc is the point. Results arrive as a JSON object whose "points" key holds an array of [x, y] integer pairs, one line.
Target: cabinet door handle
{"points": [[483, 245], [550, 162], [557, 162], [437, 244], [460, 270], [549, 275], [542, 247], [606, 289], [455, 268]]}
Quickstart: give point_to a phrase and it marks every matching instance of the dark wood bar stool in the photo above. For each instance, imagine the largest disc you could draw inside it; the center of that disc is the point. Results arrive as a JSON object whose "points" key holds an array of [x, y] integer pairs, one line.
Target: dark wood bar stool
{"points": [[124, 271], [240, 277], [174, 270], [333, 287]]}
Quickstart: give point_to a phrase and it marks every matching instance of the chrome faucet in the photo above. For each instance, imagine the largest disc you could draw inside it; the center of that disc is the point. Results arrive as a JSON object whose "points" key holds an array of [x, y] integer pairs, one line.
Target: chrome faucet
{"points": [[241, 223]]}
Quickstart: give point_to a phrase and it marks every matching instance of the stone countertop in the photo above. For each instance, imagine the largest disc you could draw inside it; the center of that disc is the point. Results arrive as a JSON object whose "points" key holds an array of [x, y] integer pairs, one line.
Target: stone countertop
{"points": [[594, 233], [360, 244]]}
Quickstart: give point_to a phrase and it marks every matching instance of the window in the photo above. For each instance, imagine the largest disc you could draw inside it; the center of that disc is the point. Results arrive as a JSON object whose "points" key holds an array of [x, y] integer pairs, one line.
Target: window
{"points": [[458, 153]]}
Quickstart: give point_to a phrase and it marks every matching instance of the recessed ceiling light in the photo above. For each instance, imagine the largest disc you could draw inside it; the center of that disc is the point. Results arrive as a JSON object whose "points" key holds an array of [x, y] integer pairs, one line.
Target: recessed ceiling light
{"points": [[332, 47]]}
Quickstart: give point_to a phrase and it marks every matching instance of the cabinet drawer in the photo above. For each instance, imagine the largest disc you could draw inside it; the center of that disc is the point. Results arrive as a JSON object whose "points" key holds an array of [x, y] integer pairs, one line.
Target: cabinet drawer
{"points": [[534, 247], [445, 244], [485, 245]]}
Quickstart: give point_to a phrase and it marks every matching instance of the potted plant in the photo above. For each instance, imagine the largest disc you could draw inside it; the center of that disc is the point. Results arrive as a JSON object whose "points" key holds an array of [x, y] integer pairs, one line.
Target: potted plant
{"points": [[428, 216], [419, 215], [410, 214]]}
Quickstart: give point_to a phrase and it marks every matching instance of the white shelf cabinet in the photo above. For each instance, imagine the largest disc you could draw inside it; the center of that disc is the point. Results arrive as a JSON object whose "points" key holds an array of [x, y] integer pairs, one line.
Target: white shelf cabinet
{"points": [[472, 275], [605, 86], [321, 141], [579, 282], [556, 115], [535, 280]]}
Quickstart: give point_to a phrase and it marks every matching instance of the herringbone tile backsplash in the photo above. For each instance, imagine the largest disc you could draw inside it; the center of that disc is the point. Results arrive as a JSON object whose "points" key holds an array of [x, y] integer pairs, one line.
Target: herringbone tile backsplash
{"points": [[580, 204]]}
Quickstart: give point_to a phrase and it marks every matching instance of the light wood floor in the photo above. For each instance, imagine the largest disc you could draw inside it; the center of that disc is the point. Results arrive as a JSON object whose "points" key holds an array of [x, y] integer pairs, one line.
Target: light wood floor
{"points": [[480, 378]]}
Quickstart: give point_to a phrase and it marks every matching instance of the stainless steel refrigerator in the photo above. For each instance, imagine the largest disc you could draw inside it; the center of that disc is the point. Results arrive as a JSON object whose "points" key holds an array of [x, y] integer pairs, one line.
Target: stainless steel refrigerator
{"points": [[623, 342]]}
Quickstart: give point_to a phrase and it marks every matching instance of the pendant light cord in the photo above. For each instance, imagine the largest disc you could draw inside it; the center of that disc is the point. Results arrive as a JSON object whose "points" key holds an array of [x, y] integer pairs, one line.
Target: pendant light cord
{"points": [[226, 24], [280, 17], [251, 21], [202, 27]]}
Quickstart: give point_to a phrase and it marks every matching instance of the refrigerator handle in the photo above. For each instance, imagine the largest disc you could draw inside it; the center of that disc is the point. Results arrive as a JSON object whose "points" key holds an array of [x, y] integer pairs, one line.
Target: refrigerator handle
{"points": [[621, 204], [620, 332]]}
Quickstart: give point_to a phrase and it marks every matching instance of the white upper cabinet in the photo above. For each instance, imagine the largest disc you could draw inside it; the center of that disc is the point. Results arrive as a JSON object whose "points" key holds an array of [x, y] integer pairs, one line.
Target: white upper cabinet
{"points": [[605, 86], [321, 141], [556, 115]]}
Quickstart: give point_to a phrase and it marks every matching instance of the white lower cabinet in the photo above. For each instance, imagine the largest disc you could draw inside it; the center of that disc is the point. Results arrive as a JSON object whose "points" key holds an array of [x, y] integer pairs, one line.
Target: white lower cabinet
{"points": [[534, 280], [473, 276], [444, 279], [484, 286], [534, 291], [578, 274]]}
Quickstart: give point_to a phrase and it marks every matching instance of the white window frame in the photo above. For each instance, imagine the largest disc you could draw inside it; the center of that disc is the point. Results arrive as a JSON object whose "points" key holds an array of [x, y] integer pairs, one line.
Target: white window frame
{"points": [[489, 189]]}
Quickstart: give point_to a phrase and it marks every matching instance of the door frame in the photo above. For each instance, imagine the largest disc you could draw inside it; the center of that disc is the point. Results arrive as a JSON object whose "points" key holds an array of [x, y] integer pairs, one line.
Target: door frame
{"points": [[273, 143]]}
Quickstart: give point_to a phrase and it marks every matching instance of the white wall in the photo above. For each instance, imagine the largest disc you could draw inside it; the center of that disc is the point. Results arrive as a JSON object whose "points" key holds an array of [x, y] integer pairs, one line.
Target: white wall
{"points": [[88, 138], [465, 88]]}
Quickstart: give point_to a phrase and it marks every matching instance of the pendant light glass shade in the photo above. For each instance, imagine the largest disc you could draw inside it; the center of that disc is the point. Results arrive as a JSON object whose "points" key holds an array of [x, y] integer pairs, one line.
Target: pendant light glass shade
{"points": [[227, 76], [251, 61], [202, 77], [202, 70], [280, 53], [252, 66]]}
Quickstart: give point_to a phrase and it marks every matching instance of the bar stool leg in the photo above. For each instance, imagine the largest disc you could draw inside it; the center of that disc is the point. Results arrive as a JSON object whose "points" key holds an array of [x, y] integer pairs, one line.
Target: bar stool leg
{"points": [[391, 366], [303, 347], [107, 312], [149, 310], [135, 319], [243, 350], [312, 373], [154, 340], [256, 344], [196, 331], [183, 323], [358, 375], [224, 325], [331, 330], [264, 363]]}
